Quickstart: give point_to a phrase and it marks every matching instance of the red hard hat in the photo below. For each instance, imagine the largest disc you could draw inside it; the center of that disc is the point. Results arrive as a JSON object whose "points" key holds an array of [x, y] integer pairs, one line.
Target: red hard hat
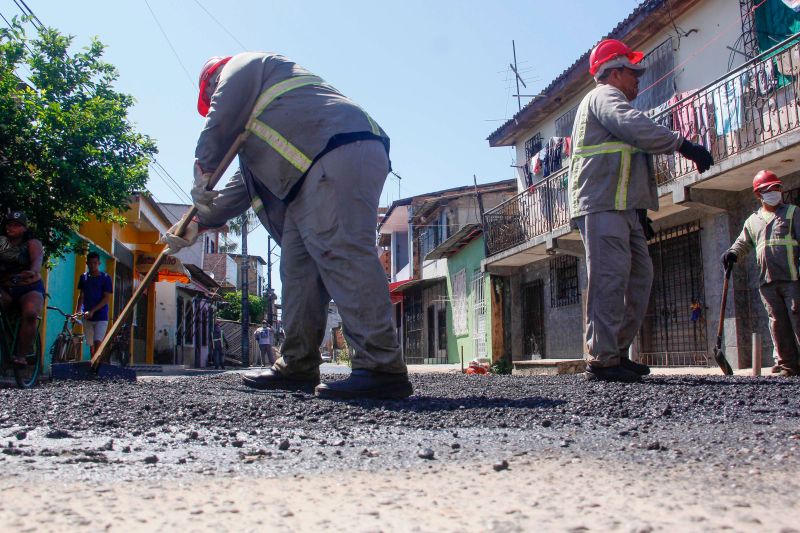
{"points": [[212, 65], [765, 178], [609, 49]]}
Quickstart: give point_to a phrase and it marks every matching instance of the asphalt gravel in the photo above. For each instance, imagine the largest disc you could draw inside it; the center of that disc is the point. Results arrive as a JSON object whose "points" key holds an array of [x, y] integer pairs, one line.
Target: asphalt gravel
{"points": [[187, 426]]}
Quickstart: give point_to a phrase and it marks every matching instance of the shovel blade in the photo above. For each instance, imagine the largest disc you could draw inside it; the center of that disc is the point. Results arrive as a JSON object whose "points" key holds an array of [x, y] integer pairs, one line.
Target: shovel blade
{"points": [[83, 370], [719, 357]]}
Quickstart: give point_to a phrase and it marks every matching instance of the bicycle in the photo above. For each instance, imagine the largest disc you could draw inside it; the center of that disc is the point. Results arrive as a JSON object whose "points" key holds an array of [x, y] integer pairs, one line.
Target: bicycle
{"points": [[68, 345], [24, 375]]}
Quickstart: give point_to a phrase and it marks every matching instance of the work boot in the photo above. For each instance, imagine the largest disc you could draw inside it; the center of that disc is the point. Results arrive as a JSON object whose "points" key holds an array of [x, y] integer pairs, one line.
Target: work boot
{"points": [[776, 369], [611, 373], [273, 379], [633, 366], [367, 384], [789, 372]]}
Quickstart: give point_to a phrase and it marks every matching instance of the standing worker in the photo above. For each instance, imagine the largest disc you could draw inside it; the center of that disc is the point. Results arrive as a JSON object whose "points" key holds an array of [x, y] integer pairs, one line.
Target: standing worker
{"points": [[217, 340], [773, 231], [612, 185], [313, 168], [95, 289]]}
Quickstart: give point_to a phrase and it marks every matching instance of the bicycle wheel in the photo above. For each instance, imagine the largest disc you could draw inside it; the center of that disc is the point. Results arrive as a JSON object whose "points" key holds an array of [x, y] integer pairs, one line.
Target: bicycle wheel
{"points": [[58, 352], [26, 375]]}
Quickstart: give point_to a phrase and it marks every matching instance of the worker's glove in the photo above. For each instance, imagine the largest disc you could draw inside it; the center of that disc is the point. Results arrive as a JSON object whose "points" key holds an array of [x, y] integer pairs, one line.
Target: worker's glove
{"points": [[175, 242], [697, 152], [201, 195], [728, 259]]}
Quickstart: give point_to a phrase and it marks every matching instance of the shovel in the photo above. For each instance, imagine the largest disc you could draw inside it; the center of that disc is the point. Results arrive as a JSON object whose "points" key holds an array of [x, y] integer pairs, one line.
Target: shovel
{"points": [[719, 355], [94, 369]]}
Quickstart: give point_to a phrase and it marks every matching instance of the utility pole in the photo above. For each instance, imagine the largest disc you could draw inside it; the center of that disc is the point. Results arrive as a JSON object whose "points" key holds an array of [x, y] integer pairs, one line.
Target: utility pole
{"points": [[245, 296], [270, 318]]}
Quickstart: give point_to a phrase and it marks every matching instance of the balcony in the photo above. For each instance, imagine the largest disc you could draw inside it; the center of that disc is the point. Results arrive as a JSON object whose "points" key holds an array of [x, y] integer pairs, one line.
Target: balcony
{"points": [[745, 109], [530, 214]]}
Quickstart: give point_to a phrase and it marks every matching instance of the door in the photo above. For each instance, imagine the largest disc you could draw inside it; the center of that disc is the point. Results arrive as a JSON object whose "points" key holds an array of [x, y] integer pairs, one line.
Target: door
{"points": [[478, 315], [674, 329], [412, 325], [533, 319]]}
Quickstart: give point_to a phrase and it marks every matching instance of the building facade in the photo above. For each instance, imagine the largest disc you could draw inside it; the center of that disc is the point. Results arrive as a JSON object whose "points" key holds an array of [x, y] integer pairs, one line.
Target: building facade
{"points": [[722, 73]]}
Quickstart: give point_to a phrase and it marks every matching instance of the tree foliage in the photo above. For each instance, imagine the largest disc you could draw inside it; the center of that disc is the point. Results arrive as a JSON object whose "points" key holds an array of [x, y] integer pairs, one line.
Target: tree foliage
{"points": [[233, 311], [67, 148]]}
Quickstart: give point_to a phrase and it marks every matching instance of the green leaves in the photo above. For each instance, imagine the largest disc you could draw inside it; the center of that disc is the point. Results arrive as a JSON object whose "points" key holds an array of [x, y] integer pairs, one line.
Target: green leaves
{"points": [[67, 148], [233, 311]]}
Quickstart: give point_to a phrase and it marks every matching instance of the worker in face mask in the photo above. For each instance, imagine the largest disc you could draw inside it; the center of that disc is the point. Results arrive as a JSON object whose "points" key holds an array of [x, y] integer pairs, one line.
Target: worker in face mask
{"points": [[773, 231]]}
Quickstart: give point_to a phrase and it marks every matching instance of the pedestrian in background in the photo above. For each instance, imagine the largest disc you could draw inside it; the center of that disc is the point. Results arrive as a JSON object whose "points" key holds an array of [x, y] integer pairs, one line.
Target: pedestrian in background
{"points": [[265, 338], [95, 289], [773, 231], [217, 340]]}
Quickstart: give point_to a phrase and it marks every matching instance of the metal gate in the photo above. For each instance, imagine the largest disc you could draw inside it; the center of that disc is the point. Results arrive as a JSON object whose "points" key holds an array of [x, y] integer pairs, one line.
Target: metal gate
{"points": [[478, 315], [412, 347], [533, 319], [674, 330]]}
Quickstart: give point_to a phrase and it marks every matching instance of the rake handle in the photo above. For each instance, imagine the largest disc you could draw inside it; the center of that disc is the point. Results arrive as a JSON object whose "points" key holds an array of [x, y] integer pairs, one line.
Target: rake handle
{"points": [[151, 274], [723, 303]]}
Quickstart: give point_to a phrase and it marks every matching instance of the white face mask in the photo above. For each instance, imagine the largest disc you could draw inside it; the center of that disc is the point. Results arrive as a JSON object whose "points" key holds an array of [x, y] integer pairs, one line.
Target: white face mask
{"points": [[771, 198]]}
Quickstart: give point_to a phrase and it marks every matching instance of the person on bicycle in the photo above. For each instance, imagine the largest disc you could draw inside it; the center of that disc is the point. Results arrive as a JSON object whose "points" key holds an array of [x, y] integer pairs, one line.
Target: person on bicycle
{"points": [[21, 284]]}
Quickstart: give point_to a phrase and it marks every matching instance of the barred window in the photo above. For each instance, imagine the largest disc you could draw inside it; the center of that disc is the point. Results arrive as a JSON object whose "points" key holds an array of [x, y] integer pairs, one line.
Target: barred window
{"points": [[660, 63], [565, 121], [564, 287], [460, 303]]}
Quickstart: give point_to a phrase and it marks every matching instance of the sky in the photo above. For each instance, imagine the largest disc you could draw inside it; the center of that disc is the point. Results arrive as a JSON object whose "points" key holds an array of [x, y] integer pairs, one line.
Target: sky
{"points": [[434, 74]]}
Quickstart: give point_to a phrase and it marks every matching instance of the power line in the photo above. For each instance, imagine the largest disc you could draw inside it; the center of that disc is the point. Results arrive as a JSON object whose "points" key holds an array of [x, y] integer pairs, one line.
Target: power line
{"points": [[28, 13], [231, 35], [164, 33]]}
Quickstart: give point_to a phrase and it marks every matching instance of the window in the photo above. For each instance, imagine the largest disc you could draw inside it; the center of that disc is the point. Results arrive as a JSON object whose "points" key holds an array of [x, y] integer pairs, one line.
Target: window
{"points": [[188, 329], [532, 147], [564, 123], [660, 63], [564, 289], [460, 303], [204, 327]]}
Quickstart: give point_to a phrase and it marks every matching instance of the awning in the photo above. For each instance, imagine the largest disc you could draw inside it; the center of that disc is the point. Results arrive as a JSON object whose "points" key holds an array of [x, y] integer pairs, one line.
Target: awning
{"points": [[397, 288], [395, 291], [455, 242]]}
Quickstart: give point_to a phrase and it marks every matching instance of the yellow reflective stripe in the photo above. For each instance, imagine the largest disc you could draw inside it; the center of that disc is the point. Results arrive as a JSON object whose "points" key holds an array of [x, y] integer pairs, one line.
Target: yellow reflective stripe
{"points": [[257, 204], [621, 202], [576, 163], [279, 143], [790, 249], [604, 148], [280, 88]]}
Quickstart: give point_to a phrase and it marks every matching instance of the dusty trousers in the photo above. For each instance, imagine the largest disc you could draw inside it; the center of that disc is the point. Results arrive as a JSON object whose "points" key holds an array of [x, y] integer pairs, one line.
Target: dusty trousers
{"points": [[782, 301], [620, 275], [328, 251]]}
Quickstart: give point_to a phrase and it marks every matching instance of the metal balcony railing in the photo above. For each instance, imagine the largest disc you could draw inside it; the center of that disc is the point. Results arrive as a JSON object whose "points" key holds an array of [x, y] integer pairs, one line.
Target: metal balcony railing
{"points": [[746, 107], [538, 210]]}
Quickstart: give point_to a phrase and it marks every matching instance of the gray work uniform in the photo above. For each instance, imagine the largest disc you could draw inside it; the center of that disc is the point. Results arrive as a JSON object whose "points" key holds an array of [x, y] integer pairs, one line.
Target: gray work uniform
{"points": [[774, 236], [313, 169], [611, 180]]}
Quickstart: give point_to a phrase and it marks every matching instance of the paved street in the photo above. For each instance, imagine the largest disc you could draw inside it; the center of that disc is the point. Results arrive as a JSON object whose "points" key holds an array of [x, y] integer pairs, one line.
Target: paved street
{"points": [[472, 452]]}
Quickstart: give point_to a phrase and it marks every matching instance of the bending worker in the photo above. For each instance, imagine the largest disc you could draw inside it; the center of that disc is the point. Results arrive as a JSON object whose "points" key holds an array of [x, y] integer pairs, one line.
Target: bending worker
{"points": [[773, 231], [612, 185], [313, 168]]}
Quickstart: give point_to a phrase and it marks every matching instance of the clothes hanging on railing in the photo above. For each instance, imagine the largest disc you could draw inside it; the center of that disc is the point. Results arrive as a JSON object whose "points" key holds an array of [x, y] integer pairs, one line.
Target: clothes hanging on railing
{"points": [[728, 104], [693, 118]]}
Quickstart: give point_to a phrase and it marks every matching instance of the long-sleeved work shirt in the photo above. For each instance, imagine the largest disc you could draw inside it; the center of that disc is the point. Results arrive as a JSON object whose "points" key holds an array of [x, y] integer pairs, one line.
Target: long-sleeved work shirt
{"points": [[774, 236], [293, 118], [610, 167]]}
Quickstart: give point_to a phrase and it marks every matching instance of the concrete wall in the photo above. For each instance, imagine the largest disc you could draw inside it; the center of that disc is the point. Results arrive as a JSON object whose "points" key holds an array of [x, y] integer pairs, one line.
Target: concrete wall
{"points": [[563, 326]]}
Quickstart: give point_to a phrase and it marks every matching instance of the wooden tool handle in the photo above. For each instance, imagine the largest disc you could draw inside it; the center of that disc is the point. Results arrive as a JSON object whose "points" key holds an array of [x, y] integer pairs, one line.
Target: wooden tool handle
{"points": [[151, 274], [724, 302]]}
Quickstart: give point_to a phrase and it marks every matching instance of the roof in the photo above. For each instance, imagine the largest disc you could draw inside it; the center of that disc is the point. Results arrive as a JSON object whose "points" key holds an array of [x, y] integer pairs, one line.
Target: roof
{"points": [[458, 240], [448, 193], [638, 27], [251, 256], [200, 276]]}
